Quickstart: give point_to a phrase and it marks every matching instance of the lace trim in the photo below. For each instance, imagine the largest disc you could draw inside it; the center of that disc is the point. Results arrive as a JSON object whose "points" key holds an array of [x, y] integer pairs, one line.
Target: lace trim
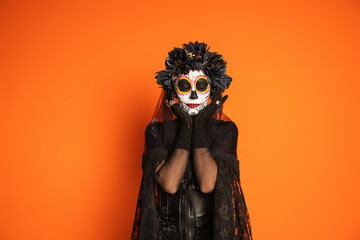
{"points": [[148, 203], [231, 217]]}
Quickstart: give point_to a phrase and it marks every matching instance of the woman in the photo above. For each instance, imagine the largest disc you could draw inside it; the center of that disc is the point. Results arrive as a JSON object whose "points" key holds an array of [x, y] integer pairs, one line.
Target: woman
{"points": [[190, 187]]}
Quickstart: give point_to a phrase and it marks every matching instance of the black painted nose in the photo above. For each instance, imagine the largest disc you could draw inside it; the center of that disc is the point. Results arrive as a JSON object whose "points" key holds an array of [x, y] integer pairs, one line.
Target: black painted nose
{"points": [[193, 95]]}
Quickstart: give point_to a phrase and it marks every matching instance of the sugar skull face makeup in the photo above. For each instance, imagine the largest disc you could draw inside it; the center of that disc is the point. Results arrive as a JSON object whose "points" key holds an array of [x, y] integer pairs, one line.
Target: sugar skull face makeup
{"points": [[193, 91]]}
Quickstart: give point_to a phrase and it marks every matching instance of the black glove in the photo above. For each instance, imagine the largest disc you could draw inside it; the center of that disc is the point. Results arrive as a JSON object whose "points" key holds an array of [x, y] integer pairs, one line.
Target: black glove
{"points": [[199, 136], [185, 129]]}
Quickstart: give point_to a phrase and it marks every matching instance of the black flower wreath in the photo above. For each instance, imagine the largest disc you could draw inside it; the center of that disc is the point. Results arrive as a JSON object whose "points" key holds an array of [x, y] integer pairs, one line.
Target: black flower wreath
{"points": [[194, 56]]}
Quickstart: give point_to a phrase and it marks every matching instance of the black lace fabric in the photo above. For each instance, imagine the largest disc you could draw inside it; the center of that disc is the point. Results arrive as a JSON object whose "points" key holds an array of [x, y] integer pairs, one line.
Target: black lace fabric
{"points": [[231, 216], [230, 219]]}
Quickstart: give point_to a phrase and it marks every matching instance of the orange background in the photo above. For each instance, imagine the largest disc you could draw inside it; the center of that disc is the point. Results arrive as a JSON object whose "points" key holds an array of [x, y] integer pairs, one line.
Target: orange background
{"points": [[78, 89]]}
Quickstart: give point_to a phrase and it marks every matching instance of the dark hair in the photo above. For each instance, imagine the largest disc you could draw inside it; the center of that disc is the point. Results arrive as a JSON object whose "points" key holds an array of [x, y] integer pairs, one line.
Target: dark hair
{"points": [[194, 56]]}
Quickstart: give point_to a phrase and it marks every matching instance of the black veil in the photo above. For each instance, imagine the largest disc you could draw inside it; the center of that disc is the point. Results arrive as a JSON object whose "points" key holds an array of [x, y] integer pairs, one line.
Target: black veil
{"points": [[231, 218]]}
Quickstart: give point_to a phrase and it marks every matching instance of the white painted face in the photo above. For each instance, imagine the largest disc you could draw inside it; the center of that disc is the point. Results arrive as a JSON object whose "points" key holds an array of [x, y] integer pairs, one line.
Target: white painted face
{"points": [[193, 91]]}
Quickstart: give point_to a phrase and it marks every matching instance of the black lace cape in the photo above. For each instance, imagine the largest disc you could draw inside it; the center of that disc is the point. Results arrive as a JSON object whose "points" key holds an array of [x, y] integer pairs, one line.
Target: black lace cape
{"points": [[230, 214]]}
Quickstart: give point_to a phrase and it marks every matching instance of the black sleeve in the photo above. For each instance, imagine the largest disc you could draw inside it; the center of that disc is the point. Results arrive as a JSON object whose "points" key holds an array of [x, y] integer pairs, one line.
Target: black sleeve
{"points": [[146, 221], [226, 136], [231, 217], [155, 151]]}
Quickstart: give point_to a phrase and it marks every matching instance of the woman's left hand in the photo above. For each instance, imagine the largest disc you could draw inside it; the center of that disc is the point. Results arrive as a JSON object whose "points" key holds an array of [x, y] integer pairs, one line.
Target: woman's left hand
{"points": [[199, 137]]}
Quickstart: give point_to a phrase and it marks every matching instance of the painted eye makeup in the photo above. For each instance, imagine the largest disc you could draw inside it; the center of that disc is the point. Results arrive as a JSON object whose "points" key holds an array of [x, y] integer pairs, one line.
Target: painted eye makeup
{"points": [[202, 84], [184, 85]]}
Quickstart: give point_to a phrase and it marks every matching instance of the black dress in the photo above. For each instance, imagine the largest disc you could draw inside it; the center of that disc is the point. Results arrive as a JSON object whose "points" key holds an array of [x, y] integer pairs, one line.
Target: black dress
{"points": [[189, 213]]}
